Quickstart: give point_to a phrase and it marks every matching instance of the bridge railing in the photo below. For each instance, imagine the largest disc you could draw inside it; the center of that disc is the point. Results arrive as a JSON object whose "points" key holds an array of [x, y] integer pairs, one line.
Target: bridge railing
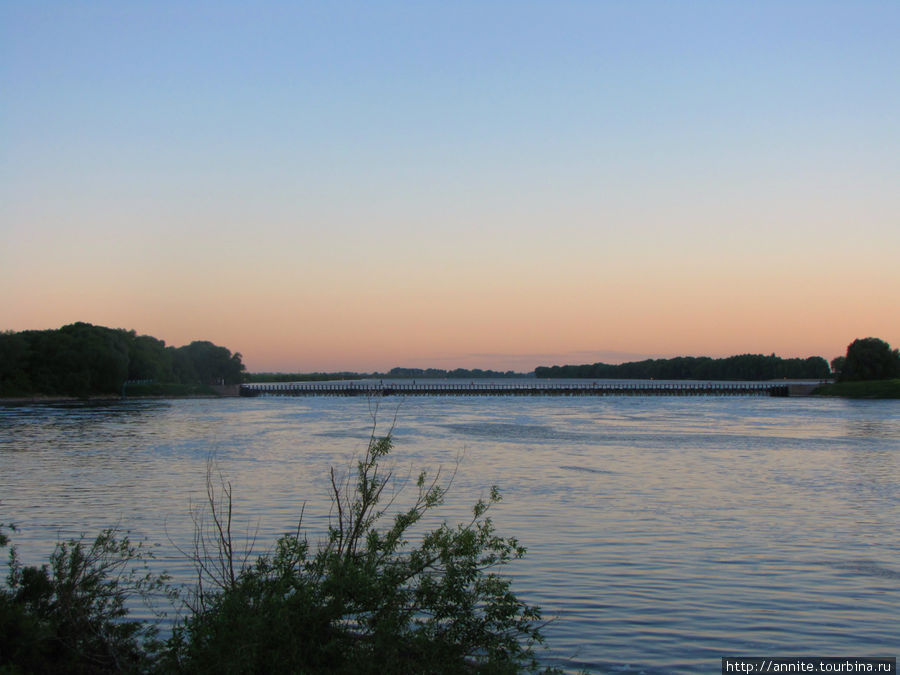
{"points": [[501, 389]]}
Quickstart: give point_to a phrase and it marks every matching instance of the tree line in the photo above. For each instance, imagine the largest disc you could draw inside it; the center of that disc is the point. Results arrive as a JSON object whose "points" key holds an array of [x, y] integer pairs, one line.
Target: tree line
{"points": [[396, 373], [456, 373], [741, 367], [81, 359]]}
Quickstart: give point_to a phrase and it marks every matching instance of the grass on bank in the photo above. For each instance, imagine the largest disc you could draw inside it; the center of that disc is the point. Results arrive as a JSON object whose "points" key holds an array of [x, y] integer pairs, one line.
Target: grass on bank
{"points": [[861, 389]]}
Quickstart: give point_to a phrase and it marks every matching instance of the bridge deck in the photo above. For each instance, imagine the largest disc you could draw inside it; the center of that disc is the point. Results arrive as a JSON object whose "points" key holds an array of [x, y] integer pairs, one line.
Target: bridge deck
{"points": [[535, 389]]}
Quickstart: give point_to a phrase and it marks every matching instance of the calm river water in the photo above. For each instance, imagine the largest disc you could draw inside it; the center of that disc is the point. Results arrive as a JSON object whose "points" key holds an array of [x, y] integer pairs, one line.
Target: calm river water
{"points": [[662, 533]]}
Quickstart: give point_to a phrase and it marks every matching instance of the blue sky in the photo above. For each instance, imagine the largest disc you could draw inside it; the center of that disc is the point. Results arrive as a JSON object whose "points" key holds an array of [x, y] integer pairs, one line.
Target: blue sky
{"points": [[465, 179]]}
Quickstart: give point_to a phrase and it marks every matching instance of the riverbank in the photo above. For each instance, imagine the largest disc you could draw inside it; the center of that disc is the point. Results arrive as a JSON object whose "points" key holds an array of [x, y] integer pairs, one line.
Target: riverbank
{"points": [[37, 398], [874, 389], [171, 390], [148, 391]]}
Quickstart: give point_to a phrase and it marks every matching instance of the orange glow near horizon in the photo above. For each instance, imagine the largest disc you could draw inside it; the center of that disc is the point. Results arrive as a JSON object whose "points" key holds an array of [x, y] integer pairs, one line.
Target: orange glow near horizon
{"points": [[512, 321]]}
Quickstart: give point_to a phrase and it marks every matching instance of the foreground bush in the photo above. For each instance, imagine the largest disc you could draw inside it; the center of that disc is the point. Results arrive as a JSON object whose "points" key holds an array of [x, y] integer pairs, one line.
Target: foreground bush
{"points": [[366, 600], [70, 616]]}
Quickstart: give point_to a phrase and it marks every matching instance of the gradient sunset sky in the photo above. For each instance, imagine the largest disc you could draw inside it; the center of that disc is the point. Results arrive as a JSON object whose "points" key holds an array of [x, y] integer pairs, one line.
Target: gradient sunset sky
{"points": [[357, 186]]}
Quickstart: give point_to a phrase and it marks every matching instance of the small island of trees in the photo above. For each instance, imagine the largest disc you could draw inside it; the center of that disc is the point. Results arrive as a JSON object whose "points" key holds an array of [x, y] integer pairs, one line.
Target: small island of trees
{"points": [[83, 360]]}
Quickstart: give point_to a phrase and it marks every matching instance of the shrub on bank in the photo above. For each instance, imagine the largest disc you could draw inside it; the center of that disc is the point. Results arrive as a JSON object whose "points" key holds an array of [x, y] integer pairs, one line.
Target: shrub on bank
{"points": [[70, 616], [367, 600]]}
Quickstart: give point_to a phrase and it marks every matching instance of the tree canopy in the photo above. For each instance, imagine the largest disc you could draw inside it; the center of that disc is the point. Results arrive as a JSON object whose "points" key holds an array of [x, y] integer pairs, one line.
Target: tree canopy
{"points": [[81, 359], [870, 359]]}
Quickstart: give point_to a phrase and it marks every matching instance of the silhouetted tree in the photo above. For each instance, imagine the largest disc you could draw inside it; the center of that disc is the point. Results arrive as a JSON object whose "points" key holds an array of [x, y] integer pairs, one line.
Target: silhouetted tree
{"points": [[837, 365], [870, 359], [149, 359], [82, 360], [14, 355], [205, 363]]}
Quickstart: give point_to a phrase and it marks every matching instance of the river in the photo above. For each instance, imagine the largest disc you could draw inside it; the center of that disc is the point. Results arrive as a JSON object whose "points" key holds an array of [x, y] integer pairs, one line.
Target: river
{"points": [[663, 533]]}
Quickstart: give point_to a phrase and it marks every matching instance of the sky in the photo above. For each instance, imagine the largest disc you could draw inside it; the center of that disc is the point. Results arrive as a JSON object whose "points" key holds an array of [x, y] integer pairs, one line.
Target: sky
{"points": [[330, 186]]}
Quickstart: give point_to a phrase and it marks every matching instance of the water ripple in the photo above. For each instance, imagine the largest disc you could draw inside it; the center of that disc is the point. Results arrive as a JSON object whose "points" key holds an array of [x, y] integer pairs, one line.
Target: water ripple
{"points": [[662, 534]]}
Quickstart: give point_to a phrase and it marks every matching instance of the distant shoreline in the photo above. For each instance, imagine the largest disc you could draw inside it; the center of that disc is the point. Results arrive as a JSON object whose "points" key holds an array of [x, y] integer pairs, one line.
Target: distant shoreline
{"points": [[151, 392], [865, 389], [16, 400]]}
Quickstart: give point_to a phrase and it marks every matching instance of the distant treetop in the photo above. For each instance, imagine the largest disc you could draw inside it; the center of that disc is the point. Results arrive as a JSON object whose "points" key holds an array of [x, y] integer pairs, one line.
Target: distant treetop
{"points": [[473, 373], [742, 367], [870, 359]]}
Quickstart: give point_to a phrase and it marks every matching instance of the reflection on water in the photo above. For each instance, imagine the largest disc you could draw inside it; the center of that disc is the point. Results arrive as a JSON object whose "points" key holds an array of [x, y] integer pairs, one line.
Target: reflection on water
{"points": [[663, 533]]}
